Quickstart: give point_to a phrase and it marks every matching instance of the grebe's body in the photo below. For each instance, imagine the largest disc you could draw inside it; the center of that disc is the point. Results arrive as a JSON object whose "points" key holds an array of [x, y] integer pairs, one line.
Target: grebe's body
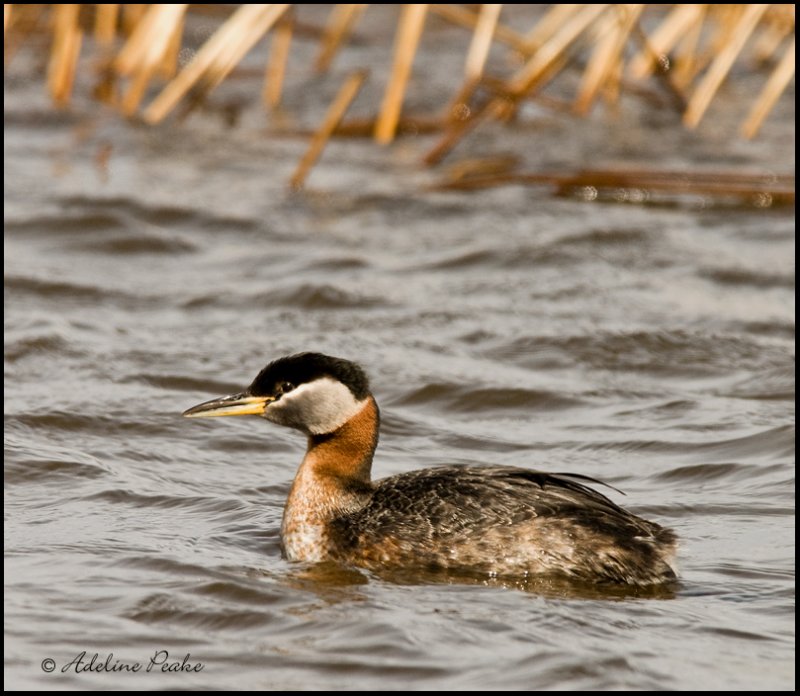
{"points": [[503, 521]]}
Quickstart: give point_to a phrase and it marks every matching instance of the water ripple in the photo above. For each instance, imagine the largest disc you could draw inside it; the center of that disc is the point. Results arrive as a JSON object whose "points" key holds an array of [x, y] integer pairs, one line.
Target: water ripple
{"points": [[454, 398], [657, 353]]}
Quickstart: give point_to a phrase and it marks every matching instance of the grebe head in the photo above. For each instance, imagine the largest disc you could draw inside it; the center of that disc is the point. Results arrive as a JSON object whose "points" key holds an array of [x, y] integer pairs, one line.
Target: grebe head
{"points": [[312, 392]]}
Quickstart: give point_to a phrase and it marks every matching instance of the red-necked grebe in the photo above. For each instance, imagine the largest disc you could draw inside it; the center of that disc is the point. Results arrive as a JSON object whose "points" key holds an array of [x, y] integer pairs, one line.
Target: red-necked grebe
{"points": [[498, 520]]}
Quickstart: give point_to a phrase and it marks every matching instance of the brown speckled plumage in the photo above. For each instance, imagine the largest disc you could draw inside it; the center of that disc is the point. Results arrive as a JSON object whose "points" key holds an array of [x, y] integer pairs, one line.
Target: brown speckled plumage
{"points": [[500, 521]]}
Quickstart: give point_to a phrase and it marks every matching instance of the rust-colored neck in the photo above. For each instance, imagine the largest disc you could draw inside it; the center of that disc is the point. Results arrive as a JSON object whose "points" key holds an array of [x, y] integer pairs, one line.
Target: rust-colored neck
{"points": [[346, 453], [334, 477]]}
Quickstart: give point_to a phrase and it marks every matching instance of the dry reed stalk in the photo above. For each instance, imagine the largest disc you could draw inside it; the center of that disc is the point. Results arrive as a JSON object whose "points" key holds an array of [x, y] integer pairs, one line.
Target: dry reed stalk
{"points": [[716, 31], [365, 127], [106, 20], [340, 25], [705, 91], [217, 56], [630, 175], [333, 117], [777, 25], [687, 62], [412, 21], [6, 17], [770, 40], [777, 83], [495, 108], [136, 49], [23, 22], [244, 38], [751, 187], [612, 88], [607, 54], [276, 64], [64, 54], [548, 25], [663, 71], [664, 38], [169, 63], [131, 16], [539, 68], [482, 167], [723, 27], [457, 14], [135, 92], [782, 15], [754, 188], [530, 77], [105, 24], [459, 107], [481, 41], [158, 46], [146, 50]]}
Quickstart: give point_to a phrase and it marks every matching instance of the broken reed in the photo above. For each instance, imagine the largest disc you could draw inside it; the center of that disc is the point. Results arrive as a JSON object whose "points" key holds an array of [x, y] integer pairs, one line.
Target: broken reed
{"points": [[686, 51]]}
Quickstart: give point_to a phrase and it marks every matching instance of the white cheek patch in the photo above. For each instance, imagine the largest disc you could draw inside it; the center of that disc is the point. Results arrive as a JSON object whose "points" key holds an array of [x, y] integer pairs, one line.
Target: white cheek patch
{"points": [[317, 407]]}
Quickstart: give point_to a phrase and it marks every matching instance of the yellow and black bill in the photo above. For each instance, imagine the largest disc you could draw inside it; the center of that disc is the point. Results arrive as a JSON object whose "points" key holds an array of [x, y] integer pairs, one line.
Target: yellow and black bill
{"points": [[234, 405]]}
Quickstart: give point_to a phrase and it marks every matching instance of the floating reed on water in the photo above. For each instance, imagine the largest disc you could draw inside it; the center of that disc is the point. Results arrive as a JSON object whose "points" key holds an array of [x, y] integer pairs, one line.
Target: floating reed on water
{"points": [[630, 185], [686, 51]]}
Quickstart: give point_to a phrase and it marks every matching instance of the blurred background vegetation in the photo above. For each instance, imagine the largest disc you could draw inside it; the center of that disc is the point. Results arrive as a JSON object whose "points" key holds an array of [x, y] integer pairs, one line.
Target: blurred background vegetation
{"points": [[154, 62]]}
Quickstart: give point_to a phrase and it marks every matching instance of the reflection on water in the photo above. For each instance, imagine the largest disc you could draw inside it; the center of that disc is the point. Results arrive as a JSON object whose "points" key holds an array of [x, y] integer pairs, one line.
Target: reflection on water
{"points": [[553, 587]]}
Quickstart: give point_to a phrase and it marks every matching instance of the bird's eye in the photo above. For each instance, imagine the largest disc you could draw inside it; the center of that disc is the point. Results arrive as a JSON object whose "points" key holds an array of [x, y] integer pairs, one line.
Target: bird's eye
{"points": [[285, 387]]}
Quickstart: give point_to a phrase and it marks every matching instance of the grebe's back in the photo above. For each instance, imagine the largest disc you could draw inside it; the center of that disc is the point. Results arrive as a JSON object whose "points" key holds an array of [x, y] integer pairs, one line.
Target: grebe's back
{"points": [[504, 521]]}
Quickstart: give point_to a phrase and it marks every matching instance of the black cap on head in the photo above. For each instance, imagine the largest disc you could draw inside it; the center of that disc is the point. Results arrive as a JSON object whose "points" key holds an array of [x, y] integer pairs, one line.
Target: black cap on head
{"points": [[306, 367]]}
